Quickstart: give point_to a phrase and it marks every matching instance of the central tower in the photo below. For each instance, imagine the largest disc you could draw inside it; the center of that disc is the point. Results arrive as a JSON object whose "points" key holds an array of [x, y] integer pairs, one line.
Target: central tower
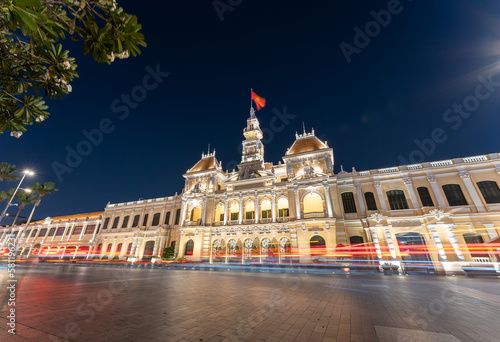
{"points": [[252, 158]]}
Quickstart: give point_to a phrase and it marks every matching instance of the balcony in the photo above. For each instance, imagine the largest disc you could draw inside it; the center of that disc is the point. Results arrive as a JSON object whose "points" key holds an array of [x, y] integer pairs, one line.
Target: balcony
{"points": [[218, 223], [317, 214], [248, 221], [266, 220], [193, 223], [233, 222], [282, 219]]}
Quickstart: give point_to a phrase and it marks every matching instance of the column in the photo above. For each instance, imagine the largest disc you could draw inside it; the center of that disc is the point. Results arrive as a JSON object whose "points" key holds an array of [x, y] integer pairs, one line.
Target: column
{"points": [[225, 211], [139, 242], [183, 213], [256, 207], [437, 240], [388, 238], [162, 243], [155, 247], [380, 195], [95, 230], [297, 203], [472, 191], [204, 211], [273, 205], [83, 231], [435, 189], [373, 232], [453, 240], [328, 199], [361, 201], [411, 192], [240, 219], [70, 231]]}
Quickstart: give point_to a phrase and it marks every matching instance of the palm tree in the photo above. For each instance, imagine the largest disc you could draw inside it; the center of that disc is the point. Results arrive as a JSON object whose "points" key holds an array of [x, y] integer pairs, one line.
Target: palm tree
{"points": [[25, 199], [42, 190], [6, 195], [7, 171]]}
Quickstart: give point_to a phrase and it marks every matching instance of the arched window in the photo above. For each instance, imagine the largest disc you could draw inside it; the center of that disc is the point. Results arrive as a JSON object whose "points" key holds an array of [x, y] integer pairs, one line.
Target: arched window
{"points": [[371, 204], [156, 219], [234, 211], [195, 214], [490, 191], [136, 220], [397, 199], [118, 248], [219, 213], [356, 240], [454, 195], [412, 247], [99, 249], [317, 245], [348, 202], [149, 248], [167, 217], [115, 222], [249, 210], [125, 221], [172, 244], [425, 196], [313, 203], [189, 247], [475, 244], [145, 221], [283, 207], [108, 250], [265, 209], [106, 223], [129, 249]]}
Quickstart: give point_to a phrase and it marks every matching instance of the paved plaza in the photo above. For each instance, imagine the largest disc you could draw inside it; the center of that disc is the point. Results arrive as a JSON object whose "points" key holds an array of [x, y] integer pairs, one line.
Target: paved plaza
{"points": [[58, 303]]}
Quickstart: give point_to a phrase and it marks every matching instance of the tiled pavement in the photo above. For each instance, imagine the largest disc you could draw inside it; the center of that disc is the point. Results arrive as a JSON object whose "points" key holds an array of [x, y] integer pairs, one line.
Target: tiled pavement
{"points": [[110, 304]]}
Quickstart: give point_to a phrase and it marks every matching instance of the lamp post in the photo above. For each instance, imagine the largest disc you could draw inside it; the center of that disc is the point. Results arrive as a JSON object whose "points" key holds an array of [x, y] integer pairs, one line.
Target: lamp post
{"points": [[25, 172]]}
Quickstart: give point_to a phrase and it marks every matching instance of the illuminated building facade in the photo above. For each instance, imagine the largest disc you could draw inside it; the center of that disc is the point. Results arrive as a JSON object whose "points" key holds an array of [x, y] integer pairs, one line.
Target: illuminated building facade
{"points": [[446, 213]]}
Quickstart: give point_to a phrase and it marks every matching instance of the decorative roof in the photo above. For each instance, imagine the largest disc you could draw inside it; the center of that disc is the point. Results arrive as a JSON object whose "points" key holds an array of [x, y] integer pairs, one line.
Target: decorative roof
{"points": [[207, 162], [306, 142], [90, 216]]}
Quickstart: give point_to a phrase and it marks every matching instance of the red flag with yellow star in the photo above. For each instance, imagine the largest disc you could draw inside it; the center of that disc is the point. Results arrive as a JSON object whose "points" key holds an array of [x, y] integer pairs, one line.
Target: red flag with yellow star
{"points": [[260, 102]]}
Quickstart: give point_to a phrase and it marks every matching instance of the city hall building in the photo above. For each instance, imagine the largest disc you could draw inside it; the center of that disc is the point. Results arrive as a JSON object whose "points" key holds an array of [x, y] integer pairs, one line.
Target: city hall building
{"points": [[446, 212]]}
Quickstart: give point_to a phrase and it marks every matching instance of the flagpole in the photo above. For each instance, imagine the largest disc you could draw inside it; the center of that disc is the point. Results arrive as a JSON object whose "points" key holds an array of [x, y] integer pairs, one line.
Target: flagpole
{"points": [[251, 105]]}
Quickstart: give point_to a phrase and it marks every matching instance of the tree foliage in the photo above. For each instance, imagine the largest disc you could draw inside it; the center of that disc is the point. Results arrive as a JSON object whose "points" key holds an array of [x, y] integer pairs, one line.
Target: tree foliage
{"points": [[7, 171], [34, 65]]}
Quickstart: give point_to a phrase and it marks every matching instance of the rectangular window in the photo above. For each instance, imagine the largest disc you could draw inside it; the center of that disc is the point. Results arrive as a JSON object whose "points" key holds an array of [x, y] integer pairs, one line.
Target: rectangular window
{"points": [[221, 218], [371, 204], [490, 191], [397, 199], [425, 196], [145, 221], [156, 219], [52, 232], [136, 220], [177, 216], [283, 212], [115, 222], [77, 231], [106, 223], [250, 215], [60, 231], [348, 202], [90, 229], [234, 216], [266, 214], [43, 232], [125, 222], [167, 218], [454, 195]]}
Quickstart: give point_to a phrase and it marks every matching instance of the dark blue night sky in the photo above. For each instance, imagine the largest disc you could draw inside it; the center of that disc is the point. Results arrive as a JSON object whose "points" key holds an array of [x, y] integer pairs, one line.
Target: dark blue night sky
{"points": [[402, 86]]}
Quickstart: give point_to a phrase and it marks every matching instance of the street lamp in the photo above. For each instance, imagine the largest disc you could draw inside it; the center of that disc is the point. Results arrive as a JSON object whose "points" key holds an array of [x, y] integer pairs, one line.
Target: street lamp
{"points": [[25, 173]]}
